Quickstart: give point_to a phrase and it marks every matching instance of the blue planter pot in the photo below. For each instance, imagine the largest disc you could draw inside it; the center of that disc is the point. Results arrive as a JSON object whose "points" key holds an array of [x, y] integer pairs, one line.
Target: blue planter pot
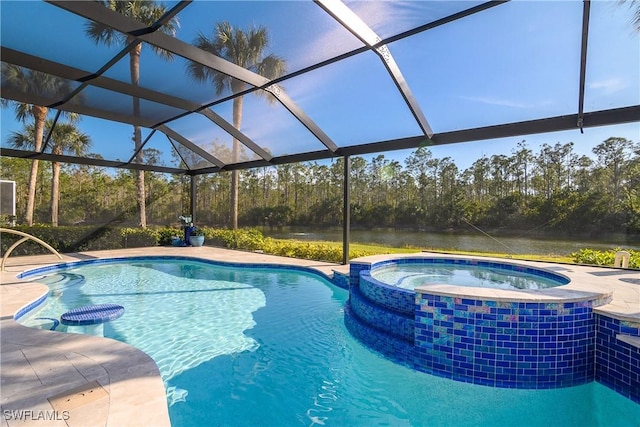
{"points": [[196, 240]]}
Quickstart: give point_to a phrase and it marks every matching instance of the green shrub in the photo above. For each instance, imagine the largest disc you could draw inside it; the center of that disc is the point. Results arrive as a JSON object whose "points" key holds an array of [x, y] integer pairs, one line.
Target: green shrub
{"points": [[166, 234], [139, 237], [219, 237], [596, 257], [253, 240], [305, 250], [248, 239], [66, 239]]}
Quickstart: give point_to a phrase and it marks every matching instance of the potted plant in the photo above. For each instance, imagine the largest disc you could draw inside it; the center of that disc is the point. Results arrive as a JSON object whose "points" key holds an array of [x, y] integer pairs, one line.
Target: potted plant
{"points": [[187, 226], [176, 241], [196, 237]]}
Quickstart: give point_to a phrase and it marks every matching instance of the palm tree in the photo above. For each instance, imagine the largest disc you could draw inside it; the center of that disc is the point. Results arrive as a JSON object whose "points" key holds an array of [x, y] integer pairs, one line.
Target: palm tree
{"points": [[147, 12], [246, 49], [65, 138], [46, 85]]}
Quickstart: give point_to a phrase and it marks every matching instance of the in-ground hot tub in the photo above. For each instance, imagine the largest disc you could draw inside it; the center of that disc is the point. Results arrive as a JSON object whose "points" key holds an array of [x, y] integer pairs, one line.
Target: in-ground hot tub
{"points": [[523, 329], [412, 273]]}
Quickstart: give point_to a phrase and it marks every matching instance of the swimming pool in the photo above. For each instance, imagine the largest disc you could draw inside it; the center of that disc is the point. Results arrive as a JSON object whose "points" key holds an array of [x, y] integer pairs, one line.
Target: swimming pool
{"points": [[266, 346]]}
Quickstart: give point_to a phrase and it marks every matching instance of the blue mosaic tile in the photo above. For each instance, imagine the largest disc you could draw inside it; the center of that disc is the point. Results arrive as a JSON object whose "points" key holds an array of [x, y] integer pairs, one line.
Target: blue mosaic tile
{"points": [[31, 306], [390, 297], [617, 363], [378, 317], [514, 344], [340, 280], [391, 347], [527, 356], [92, 314]]}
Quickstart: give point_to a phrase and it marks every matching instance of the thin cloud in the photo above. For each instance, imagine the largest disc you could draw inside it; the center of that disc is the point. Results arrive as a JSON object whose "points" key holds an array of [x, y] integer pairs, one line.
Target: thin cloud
{"points": [[502, 102], [332, 40], [328, 40], [609, 85]]}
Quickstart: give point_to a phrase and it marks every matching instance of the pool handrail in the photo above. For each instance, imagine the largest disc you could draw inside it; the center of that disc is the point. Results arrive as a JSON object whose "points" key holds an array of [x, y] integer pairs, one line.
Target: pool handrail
{"points": [[19, 242]]}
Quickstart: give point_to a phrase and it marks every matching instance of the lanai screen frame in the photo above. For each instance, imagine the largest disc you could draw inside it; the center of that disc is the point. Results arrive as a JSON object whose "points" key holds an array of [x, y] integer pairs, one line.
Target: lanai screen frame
{"points": [[350, 21]]}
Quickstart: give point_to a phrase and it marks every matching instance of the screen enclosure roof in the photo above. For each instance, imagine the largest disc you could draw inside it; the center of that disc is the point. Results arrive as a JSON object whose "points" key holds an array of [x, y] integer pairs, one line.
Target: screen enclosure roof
{"points": [[330, 78]]}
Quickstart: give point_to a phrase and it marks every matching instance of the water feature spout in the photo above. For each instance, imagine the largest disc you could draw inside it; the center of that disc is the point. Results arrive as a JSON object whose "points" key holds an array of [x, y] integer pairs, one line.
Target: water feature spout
{"points": [[622, 259]]}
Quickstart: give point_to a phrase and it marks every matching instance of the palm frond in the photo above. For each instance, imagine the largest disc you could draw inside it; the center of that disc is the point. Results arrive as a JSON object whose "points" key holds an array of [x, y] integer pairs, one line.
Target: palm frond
{"points": [[272, 67], [45, 85], [24, 139], [102, 34], [147, 12], [67, 138], [243, 48], [202, 73], [634, 5], [258, 41]]}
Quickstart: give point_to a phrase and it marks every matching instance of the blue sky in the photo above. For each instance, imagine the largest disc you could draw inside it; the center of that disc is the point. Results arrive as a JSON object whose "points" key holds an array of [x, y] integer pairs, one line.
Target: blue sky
{"points": [[518, 61]]}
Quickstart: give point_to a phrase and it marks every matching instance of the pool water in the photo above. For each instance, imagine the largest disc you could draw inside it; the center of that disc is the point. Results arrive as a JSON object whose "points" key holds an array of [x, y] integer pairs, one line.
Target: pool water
{"points": [[268, 347], [410, 276]]}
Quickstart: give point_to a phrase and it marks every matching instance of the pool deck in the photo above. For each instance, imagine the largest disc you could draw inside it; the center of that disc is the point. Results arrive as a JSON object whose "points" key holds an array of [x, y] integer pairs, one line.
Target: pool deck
{"points": [[57, 379]]}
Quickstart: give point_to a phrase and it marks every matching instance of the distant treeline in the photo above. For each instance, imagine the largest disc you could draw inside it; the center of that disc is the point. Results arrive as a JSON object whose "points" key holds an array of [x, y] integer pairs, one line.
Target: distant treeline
{"points": [[552, 190]]}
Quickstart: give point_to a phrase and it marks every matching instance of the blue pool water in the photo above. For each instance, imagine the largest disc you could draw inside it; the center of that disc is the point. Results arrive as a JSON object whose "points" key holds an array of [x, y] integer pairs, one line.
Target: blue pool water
{"points": [[259, 346], [410, 276]]}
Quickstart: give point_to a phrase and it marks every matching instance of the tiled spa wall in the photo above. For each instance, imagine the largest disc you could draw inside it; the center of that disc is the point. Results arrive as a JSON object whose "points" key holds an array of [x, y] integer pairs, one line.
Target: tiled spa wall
{"points": [[502, 344], [505, 344], [618, 355]]}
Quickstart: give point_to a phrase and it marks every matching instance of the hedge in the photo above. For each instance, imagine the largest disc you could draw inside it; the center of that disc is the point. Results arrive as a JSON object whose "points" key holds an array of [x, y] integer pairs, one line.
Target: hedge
{"points": [[67, 239], [595, 257]]}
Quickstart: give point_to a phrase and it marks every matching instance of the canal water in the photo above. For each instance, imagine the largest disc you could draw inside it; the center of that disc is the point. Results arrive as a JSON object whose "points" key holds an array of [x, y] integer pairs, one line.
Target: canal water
{"points": [[477, 241]]}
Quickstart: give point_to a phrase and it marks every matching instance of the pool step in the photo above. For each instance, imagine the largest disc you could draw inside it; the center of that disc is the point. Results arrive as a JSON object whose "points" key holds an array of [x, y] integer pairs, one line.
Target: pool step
{"points": [[629, 339]]}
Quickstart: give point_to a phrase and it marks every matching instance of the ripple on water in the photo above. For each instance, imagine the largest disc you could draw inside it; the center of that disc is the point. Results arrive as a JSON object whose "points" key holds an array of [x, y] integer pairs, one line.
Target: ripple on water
{"points": [[216, 313]]}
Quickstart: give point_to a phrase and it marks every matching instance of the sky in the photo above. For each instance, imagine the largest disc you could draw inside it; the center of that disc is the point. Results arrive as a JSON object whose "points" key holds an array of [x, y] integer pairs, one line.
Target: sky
{"points": [[514, 62]]}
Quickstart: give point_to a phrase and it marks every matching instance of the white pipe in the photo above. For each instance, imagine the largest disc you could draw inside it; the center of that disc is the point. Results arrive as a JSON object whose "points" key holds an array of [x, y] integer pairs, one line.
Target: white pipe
{"points": [[26, 237]]}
